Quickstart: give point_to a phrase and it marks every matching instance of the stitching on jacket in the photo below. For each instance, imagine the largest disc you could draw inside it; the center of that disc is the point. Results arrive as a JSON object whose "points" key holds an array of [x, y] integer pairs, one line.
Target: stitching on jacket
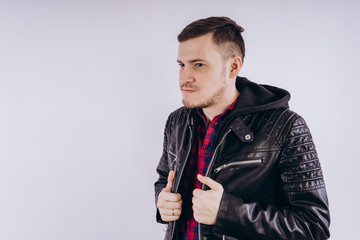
{"points": [[261, 120], [277, 120], [301, 135], [303, 189], [270, 117], [253, 120], [284, 125], [299, 154], [302, 162]]}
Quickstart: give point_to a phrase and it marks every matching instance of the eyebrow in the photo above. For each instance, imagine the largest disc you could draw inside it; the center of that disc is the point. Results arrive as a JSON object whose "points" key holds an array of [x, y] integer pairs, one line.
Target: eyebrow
{"points": [[192, 61]]}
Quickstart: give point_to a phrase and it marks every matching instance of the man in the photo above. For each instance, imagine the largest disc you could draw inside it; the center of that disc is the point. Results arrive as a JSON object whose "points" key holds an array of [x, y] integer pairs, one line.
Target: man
{"points": [[237, 163]]}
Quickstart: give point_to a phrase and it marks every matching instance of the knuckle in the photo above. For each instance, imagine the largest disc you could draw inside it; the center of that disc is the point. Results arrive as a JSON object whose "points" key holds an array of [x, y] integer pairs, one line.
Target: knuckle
{"points": [[162, 213], [172, 198], [160, 203]]}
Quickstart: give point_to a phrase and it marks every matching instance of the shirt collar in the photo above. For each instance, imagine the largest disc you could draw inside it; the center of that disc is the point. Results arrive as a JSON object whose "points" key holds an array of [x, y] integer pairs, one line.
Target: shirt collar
{"points": [[226, 112]]}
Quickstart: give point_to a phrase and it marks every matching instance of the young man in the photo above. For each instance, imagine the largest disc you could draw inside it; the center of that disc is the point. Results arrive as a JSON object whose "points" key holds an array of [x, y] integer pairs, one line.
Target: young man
{"points": [[237, 163]]}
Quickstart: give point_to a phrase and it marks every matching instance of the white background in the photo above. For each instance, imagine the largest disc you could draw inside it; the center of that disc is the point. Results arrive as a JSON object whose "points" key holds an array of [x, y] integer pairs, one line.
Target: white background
{"points": [[86, 87]]}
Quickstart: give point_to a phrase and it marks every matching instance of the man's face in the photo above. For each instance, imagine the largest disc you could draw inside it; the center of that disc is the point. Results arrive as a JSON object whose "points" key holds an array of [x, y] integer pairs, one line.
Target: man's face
{"points": [[202, 74]]}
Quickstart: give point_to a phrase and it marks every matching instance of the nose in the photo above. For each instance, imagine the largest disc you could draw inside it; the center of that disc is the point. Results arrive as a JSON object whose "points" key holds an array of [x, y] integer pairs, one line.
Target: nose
{"points": [[186, 75]]}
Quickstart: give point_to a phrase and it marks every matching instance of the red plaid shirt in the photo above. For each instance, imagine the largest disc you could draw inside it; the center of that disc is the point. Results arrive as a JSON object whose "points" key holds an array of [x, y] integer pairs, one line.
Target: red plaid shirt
{"points": [[200, 158]]}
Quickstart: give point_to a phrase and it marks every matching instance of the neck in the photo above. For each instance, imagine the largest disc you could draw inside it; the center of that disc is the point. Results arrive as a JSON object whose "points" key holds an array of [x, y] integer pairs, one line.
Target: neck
{"points": [[220, 107]]}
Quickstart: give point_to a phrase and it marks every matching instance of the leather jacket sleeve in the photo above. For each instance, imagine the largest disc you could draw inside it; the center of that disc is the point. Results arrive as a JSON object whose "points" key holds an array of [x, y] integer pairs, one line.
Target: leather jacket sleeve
{"points": [[163, 171], [305, 214]]}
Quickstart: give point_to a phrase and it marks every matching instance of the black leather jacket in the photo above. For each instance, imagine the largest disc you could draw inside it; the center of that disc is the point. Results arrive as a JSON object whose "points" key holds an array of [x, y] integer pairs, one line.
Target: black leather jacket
{"points": [[267, 163]]}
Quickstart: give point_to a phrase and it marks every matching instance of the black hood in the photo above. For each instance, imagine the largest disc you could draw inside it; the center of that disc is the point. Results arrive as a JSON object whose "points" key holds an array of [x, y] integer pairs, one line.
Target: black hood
{"points": [[257, 97]]}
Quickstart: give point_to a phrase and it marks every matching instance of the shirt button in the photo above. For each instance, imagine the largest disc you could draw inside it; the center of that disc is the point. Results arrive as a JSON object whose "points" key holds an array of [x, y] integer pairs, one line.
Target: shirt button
{"points": [[247, 137]]}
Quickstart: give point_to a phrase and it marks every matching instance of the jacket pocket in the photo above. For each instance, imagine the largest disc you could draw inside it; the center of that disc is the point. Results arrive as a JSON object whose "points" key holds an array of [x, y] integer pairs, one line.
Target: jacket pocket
{"points": [[243, 163]]}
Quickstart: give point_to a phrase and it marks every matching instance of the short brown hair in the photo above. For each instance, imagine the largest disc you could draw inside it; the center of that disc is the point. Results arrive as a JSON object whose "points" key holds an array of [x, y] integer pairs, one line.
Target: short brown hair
{"points": [[226, 34]]}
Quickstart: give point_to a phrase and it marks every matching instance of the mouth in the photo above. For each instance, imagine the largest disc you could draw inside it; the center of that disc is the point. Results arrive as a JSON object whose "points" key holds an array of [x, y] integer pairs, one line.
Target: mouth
{"points": [[187, 90]]}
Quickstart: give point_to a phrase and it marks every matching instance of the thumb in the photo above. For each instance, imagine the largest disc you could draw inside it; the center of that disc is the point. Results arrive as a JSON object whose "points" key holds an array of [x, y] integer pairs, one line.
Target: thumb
{"points": [[170, 179], [209, 182]]}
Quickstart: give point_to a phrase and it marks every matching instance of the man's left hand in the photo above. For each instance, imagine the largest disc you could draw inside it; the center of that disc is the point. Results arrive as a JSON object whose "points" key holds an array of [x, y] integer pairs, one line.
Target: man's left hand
{"points": [[206, 203]]}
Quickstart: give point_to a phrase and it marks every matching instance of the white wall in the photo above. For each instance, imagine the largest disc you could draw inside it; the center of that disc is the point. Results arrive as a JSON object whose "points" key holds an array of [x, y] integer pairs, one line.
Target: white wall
{"points": [[86, 87]]}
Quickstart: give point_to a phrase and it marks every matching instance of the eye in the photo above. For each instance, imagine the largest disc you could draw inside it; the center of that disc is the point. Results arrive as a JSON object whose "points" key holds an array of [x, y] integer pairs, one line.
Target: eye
{"points": [[199, 65], [181, 65]]}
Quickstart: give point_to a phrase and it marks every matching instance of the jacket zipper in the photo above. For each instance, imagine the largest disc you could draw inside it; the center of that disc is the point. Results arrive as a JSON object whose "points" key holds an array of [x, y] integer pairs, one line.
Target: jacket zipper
{"points": [[181, 171], [210, 166], [239, 163], [173, 161]]}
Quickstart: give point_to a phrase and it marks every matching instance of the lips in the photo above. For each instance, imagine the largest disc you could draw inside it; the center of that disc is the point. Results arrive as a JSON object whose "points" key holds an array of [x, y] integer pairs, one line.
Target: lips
{"points": [[187, 90]]}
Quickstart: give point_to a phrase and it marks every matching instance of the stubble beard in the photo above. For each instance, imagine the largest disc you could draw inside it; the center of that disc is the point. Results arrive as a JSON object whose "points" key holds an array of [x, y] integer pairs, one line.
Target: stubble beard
{"points": [[210, 101]]}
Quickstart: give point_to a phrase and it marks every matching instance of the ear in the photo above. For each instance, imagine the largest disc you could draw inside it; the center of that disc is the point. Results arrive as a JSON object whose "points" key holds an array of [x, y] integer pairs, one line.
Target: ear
{"points": [[235, 67]]}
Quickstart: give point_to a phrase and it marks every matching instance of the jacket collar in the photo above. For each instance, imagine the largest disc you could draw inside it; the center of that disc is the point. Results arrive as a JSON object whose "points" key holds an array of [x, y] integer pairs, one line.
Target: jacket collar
{"points": [[241, 130]]}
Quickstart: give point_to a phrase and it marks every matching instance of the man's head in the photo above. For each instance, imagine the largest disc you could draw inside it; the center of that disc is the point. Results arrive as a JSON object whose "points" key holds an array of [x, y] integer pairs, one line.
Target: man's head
{"points": [[210, 57], [226, 35]]}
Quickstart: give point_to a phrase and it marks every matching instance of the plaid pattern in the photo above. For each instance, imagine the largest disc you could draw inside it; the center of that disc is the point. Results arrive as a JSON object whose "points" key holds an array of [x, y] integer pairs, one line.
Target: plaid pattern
{"points": [[200, 158]]}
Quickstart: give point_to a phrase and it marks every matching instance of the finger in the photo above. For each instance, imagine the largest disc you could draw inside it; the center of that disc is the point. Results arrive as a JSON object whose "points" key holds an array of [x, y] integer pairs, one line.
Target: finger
{"points": [[198, 203], [196, 217], [170, 211], [165, 195], [209, 182], [197, 192], [170, 179], [170, 214], [170, 205], [169, 218], [173, 212], [174, 205], [196, 214]]}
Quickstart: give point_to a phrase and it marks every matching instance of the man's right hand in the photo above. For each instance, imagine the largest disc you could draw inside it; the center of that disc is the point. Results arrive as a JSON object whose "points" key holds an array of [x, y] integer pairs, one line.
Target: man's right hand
{"points": [[169, 204]]}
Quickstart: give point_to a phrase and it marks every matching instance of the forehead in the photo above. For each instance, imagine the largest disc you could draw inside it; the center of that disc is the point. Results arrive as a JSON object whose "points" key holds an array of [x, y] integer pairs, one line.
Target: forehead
{"points": [[201, 47]]}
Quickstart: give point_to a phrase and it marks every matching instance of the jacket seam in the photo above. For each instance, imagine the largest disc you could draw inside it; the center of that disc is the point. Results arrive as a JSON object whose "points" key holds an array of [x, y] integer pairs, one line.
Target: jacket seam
{"points": [[299, 154], [304, 189], [285, 124]]}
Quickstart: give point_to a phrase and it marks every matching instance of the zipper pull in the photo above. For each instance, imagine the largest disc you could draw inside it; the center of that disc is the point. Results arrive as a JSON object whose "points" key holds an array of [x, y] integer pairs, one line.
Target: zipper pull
{"points": [[166, 226], [216, 170], [172, 164]]}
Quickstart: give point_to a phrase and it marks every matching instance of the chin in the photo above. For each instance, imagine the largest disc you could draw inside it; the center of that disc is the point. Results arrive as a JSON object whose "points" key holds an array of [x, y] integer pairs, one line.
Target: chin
{"points": [[189, 104], [193, 104]]}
